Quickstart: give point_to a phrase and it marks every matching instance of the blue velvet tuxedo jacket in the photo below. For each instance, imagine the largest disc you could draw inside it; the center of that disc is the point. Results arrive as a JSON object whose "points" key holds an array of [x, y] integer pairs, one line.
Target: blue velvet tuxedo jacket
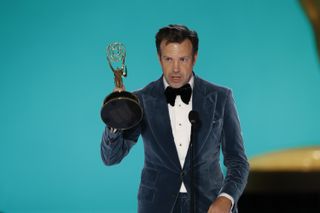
{"points": [[162, 174]]}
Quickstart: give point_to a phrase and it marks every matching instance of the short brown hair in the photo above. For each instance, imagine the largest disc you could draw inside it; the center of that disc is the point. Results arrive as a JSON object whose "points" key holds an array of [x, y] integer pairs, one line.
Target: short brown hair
{"points": [[175, 33]]}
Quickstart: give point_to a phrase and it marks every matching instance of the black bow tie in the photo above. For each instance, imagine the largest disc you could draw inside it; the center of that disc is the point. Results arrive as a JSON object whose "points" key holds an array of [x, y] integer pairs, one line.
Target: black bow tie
{"points": [[184, 92]]}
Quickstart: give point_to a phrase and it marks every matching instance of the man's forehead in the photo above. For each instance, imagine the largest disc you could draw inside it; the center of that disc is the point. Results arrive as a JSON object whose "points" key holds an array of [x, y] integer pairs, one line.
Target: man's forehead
{"points": [[168, 42]]}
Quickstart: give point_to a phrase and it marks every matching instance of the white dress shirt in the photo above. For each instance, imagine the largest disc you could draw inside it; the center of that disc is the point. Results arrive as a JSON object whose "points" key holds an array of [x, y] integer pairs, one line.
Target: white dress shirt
{"points": [[181, 126]]}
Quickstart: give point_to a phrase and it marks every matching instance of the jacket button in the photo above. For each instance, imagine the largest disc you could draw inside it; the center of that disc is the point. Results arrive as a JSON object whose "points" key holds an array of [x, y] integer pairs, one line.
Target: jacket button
{"points": [[182, 174]]}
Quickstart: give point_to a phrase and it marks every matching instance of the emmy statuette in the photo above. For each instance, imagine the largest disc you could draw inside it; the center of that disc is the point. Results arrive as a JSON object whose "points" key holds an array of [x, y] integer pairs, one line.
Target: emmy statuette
{"points": [[120, 110]]}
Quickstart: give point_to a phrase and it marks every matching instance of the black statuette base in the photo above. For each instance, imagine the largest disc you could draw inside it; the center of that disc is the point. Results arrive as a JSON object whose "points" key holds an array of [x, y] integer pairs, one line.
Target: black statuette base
{"points": [[121, 110]]}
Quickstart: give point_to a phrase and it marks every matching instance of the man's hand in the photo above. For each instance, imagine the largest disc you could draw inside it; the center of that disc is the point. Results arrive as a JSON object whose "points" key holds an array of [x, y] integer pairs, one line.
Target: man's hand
{"points": [[220, 205]]}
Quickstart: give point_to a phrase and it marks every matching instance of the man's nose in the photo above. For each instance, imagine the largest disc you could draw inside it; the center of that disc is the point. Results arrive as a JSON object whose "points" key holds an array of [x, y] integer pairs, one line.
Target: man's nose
{"points": [[176, 66]]}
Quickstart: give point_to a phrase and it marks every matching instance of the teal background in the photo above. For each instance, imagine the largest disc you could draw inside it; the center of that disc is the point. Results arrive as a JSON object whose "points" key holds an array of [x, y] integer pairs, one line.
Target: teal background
{"points": [[54, 76]]}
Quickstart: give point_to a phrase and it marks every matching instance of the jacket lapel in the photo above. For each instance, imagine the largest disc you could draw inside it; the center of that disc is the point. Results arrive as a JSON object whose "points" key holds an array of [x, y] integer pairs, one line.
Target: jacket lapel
{"points": [[160, 123], [204, 103]]}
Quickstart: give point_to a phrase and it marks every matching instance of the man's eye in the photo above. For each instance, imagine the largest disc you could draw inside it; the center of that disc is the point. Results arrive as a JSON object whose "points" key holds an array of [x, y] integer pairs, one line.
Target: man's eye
{"points": [[168, 59], [183, 59]]}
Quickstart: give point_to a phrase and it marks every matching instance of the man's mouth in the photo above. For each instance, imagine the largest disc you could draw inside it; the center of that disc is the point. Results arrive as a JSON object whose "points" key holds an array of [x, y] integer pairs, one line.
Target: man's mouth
{"points": [[175, 78]]}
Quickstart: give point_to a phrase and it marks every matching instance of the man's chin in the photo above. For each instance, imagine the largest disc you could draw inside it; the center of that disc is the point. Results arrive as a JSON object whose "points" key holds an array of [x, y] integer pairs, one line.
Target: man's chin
{"points": [[176, 85]]}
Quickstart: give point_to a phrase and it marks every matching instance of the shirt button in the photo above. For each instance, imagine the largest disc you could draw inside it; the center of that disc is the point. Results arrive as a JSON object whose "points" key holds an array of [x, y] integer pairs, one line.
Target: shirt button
{"points": [[180, 124]]}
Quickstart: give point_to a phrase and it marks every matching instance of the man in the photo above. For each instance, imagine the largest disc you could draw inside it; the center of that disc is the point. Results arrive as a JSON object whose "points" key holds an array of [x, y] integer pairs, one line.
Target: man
{"points": [[165, 181]]}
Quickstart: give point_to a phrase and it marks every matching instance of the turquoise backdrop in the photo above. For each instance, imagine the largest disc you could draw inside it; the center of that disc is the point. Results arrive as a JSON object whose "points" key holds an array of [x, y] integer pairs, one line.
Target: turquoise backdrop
{"points": [[54, 76]]}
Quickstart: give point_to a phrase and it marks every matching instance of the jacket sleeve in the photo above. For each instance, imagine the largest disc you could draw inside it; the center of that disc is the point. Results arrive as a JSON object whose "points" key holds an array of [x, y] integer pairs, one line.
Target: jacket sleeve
{"points": [[233, 152], [116, 145]]}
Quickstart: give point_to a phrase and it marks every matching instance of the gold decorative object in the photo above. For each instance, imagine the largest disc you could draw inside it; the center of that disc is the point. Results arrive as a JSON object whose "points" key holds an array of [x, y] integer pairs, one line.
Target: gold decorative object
{"points": [[291, 160]]}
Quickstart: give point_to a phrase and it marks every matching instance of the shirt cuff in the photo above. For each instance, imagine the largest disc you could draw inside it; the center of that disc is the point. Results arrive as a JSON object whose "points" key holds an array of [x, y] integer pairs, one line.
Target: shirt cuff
{"points": [[229, 197], [113, 130]]}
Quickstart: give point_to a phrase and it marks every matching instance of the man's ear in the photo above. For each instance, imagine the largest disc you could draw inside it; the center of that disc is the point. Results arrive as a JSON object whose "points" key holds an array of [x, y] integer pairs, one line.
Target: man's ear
{"points": [[195, 56]]}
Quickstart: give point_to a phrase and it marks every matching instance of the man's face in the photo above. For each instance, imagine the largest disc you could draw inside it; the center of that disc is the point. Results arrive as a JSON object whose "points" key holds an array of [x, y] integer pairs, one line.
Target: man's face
{"points": [[177, 62]]}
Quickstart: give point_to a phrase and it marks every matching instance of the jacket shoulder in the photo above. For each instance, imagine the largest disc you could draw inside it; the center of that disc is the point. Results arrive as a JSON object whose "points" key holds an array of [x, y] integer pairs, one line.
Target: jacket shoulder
{"points": [[209, 87], [150, 88]]}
